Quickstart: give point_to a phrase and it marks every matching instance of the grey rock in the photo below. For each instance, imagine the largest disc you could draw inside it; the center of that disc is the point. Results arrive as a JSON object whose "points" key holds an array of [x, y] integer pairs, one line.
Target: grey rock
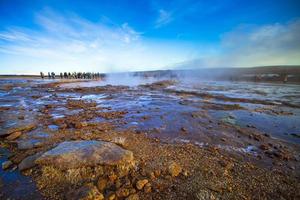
{"points": [[29, 161], [74, 154]]}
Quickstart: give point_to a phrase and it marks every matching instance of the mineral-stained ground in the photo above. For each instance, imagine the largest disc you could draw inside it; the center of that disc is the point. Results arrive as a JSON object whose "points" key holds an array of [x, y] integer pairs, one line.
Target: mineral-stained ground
{"points": [[157, 140]]}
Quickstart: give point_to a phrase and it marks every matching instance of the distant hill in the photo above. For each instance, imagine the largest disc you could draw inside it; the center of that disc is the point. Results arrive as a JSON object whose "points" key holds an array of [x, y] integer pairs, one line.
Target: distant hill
{"points": [[264, 74], [281, 73]]}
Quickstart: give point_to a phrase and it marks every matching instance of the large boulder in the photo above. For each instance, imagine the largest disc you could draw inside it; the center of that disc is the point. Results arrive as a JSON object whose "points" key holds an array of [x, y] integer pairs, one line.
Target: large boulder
{"points": [[74, 154]]}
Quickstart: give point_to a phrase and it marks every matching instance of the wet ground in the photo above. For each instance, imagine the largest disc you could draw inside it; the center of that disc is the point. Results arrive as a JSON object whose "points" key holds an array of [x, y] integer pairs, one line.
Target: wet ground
{"points": [[194, 123]]}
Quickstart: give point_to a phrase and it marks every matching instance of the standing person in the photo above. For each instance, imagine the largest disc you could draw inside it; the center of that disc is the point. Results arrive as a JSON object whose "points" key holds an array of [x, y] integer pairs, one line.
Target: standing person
{"points": [[42, 75], [61, 75], [53, 75], [49, 76]]}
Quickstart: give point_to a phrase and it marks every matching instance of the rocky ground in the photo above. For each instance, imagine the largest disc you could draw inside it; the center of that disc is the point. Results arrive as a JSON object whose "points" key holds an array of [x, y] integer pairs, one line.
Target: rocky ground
{"points": [[109, 143]]}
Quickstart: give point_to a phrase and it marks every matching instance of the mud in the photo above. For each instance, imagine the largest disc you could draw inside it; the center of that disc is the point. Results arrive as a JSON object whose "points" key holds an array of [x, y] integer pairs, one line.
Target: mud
{"points": [[189, 141]]}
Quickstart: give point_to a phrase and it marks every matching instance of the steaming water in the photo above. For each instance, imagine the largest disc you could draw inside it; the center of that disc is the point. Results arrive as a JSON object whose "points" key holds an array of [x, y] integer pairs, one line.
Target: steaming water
{"points": [[264, 91], [284, 99], [272, 108], [124, 79]]}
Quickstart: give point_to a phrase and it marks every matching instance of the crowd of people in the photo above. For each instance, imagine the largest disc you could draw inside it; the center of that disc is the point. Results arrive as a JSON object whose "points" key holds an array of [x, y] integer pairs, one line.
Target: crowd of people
{"points": [[73, 75]]}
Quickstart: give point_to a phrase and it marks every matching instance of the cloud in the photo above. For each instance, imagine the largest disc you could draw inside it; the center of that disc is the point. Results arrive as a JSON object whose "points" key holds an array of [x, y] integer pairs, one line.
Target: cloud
{"points": [[164, 18], [249, 45], [67, 42], [71, 43], [179, 10]]}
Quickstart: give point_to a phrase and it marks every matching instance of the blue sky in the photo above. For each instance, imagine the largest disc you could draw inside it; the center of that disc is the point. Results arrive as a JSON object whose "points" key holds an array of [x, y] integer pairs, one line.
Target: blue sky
{"points": [[110, 36]]}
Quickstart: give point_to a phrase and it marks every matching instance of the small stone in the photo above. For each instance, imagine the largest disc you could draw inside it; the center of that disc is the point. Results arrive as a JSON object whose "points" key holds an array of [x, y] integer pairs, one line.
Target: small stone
{"points": [[215, 188], [101, 184], [127, 182], [292, 167], [6, 164], [14, 168], [143, 172], [229, 189], [29, 162], [256, 137], [141, 183], [152, 175], [14, 135], [133, 197], [112, 177], [84, 124], [122, 192], [147, 188], [112, 196], [132, 191], [185, 173], [118, 183], [157, 173], [174, 169]]}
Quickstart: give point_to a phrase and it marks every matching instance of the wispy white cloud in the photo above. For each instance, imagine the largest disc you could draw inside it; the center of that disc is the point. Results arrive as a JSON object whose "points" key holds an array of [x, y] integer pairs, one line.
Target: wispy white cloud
{"points": [[246, 46], [69, 42], [177, 10], [164, 18]]}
